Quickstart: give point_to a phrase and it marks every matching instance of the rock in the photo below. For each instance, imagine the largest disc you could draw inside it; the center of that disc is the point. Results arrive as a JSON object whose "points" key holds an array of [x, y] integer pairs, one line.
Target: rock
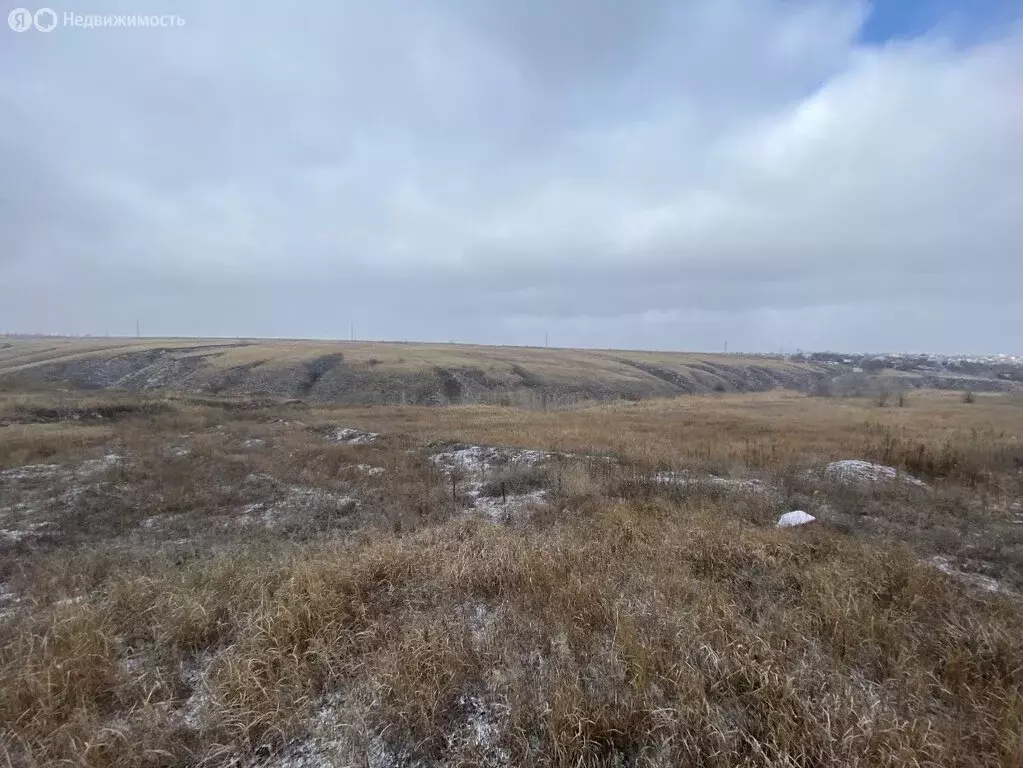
{"points": [[796, 518], [354, 436], [854, 471]]}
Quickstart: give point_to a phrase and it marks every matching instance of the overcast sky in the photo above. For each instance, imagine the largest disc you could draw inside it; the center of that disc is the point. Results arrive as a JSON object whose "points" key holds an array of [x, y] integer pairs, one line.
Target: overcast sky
{"points": [[823, 174]]}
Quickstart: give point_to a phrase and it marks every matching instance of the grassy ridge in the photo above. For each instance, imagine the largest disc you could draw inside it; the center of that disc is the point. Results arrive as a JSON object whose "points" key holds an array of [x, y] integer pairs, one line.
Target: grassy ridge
{"points": [[391, 373]]}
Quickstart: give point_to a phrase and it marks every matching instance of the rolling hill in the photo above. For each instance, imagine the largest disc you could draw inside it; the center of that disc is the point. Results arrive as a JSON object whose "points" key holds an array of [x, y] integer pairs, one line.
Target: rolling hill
{"points": [[388, 372]]}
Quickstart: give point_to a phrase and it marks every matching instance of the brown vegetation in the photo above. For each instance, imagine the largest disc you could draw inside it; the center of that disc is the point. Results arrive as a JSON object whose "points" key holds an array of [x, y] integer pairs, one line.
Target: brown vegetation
{"points": [[212, 584]]}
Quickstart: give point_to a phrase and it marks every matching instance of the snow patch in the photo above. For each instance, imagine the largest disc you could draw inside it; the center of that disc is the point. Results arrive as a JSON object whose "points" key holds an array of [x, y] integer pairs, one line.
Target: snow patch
{"points": [[93, 467], [498, 510], [336, 735], [483, 458], [300, 502], [473, 463], [30, 472], [194, 676], [30, 531], [351, 436], [947, 565], [8, 600], [478, 731], [732, 484]]}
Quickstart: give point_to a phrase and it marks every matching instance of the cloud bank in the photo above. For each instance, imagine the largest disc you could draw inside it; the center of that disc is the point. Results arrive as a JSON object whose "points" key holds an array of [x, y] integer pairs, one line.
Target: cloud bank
{"points": [[651, 174]]}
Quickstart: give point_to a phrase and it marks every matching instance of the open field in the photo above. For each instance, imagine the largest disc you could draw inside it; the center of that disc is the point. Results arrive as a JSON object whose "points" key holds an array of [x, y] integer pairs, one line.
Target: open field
{"points": [[388, 373], [198, 580]]}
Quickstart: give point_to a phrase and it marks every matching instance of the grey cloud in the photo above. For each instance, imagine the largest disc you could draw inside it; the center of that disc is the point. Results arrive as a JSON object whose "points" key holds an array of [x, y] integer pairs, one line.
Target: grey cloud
{"points": [[652, 174]]}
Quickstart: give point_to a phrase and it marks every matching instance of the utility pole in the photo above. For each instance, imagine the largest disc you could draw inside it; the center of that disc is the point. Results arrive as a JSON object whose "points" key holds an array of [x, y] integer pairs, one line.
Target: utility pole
{"points": [[545, 339], [138, 332], [726, 346], [352, 331]]}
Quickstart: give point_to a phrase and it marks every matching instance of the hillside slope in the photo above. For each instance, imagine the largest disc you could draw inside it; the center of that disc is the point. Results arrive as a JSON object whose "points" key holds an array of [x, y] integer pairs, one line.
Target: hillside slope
{"points": [[391, 373]]}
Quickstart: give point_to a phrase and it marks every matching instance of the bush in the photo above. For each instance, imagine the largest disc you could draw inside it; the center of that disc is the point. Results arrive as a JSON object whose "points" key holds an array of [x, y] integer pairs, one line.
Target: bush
{"points": [[823, 388], [969, 398], [515, 480]]}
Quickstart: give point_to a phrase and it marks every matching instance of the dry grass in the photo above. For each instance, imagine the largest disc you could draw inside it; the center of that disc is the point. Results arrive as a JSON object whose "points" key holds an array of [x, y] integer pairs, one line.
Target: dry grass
{"points": [[623, 622], [395, 356], [770, 430]]}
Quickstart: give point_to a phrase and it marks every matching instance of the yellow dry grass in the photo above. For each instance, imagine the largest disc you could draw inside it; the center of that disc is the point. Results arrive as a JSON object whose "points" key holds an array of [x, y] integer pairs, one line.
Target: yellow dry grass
{"points": [[779, 429], [560, 365], [621, 623]]}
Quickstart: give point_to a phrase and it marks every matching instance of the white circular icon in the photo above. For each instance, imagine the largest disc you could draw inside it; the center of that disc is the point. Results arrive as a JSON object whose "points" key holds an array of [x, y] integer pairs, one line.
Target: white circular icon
{"points": [[44, 20], [20, 19]]}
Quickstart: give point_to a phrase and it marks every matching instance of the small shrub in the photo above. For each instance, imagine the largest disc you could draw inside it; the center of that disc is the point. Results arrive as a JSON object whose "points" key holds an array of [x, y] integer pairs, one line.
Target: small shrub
{"points": [[516, 480], [969, 398]]}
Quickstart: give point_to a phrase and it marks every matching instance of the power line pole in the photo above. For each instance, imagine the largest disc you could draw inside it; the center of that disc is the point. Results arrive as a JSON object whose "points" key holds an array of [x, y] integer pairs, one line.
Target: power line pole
{"points": [[545, 339], [138, 332]]}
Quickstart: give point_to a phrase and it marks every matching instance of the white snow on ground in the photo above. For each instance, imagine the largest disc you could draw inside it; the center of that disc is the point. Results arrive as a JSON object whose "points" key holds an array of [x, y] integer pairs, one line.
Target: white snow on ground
{"points": [[287, 423], [369, 469], [29, 531], [855, 471], [194, 675], [30, 472], [45, 489], [300, 503], [480, 618], [94, 467], [478, 731], [84, 471], [336, 736], [1016, 508], [947, 565], [795, 518], [484, 458], [8, 601], [498, 510], [353, 436], [735, 484], [474, 463], [253, 442]]}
